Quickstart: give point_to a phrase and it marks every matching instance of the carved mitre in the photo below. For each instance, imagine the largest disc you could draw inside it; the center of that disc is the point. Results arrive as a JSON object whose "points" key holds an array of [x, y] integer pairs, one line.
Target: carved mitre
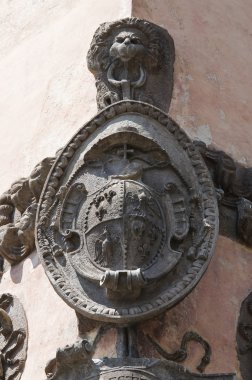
{"points": [[128, 220]]}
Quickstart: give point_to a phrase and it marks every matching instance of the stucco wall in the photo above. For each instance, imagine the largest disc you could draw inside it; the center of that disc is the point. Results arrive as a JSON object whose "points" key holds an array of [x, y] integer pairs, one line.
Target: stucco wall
{"points": [[212, 89], [211, 98], [47, 93]]}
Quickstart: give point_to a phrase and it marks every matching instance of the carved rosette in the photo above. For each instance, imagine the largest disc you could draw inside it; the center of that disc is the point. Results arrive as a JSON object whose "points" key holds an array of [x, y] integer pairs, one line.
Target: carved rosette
{"points": [[128, 220]]}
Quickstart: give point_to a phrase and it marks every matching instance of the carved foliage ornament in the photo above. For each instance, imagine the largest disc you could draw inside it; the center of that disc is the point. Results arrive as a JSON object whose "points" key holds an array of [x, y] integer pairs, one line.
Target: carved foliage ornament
{"points": [[127, 221]]}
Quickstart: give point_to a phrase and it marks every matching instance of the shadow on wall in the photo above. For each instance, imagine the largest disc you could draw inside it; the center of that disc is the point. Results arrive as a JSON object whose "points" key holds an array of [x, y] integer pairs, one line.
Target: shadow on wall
{"points": [[16, 272]]}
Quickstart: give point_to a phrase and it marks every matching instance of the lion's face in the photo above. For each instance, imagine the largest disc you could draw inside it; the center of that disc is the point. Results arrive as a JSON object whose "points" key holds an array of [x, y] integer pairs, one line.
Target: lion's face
{"points": [[128, 45]]}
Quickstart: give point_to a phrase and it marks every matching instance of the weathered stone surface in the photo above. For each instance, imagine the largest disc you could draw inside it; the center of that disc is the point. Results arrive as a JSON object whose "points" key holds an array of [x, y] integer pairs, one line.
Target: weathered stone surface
{"points": [[132, 59], [229, 273], [181, 354], [13, 337], [71, 362], [233, 184], [128, 219], [244, 338], [108, 369], [204, 81], [18, 208]]}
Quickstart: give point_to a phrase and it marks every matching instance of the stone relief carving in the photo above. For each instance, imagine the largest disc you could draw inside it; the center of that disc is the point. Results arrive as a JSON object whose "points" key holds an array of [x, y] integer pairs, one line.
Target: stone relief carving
{"points": [[228, 175], [132, 59], [244, 221], [244, 338], [13, 338], [234, 188], [120, 368], [19, 204], [128, 219], [181, 354], [76, 362], [18, 208], [71, 362]]}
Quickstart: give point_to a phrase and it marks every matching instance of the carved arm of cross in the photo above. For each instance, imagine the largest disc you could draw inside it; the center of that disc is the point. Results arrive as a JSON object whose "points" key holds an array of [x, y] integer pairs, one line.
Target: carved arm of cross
{"points": [[124, 151]]}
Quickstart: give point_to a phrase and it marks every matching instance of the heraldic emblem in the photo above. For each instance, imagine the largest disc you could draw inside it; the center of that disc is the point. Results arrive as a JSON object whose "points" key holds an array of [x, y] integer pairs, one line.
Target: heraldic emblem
{"points": [[128, 218]]}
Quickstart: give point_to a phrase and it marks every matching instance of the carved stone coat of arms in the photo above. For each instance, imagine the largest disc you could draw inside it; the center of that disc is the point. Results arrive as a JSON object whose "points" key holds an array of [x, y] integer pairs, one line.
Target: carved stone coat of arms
{"points": [[128, 218]]}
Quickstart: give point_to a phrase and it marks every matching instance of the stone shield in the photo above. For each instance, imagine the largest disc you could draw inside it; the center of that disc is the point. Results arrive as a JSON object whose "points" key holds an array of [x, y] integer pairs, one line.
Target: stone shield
{"points": [[125, 227], [128, 218]]}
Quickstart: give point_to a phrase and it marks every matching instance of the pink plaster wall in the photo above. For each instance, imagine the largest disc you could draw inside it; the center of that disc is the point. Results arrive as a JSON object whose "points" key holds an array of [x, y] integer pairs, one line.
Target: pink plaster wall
{"points": [[212, 89], [211, 101], [51, 323], [47, 93], [211, 310]]}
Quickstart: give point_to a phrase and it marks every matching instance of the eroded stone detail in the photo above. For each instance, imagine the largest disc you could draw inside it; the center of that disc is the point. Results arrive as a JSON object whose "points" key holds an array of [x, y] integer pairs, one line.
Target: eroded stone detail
{"points": [[132, 59], [234, 189], [244, 222], [13, 338], [130, 368], [75, 362], [18, 208], [244, 338], [71, 362], [228, 175], [131, 228], [181, 354]]}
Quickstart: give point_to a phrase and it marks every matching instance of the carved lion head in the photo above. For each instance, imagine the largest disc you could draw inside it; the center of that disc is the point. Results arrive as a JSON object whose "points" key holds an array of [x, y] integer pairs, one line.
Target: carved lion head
{"points": [[125, 39]]}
